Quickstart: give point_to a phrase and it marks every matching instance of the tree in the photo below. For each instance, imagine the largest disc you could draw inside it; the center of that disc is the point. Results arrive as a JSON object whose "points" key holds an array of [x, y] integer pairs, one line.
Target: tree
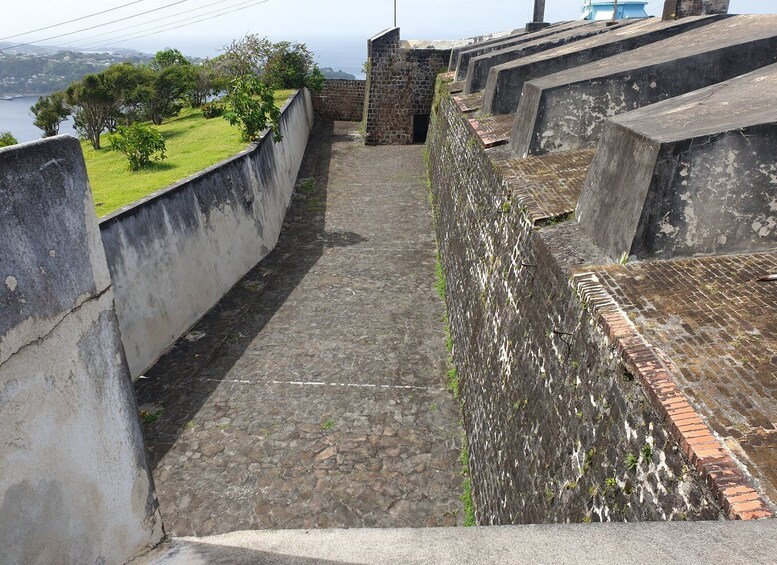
{"points": [[168, 58], [140, 143], [129, 84], [250, 106], [6, 139], [245, 56], [94, 103], [206, 82], [163, 97], [50, 111], [288, 65]]}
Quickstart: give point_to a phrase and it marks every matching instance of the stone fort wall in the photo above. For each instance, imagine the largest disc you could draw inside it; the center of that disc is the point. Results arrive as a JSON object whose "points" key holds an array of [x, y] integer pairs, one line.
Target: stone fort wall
{"points": [[400, 89], [558, 427], [340, 100]]}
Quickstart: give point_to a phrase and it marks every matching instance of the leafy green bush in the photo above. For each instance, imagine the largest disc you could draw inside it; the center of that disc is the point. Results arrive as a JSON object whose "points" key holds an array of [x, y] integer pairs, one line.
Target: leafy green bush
{"points": [[250, 105], [139, 143], [212, 110], [6, 139]]}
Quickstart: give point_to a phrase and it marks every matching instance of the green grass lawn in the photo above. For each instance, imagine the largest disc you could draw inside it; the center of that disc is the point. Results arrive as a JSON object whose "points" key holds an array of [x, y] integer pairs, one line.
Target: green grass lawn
{"points": [[193, 143]]}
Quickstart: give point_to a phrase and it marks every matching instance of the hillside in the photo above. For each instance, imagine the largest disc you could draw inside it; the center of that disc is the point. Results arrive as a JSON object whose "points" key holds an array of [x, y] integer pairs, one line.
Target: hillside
{"points": [[30, 73]]}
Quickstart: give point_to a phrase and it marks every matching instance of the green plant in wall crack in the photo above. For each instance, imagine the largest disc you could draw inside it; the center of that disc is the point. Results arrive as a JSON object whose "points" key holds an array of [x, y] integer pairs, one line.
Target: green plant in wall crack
{"points": [[647, 452], [631, 462], [149, 417]]}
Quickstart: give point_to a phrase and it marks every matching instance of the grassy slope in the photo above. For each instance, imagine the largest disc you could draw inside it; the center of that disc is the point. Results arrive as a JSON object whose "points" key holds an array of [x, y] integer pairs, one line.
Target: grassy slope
{"points": [[193, 143]]}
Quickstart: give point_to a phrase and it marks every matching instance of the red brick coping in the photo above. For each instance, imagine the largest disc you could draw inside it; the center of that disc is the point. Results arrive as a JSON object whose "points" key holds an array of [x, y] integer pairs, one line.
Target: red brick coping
{"points": [[655, 371]]}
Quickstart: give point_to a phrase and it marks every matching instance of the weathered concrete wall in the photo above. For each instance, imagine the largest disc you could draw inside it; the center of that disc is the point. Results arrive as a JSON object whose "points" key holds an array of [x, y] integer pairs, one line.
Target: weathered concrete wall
{"points": [[567, 110], [683, 8], [480, 41], [505, 81], [173, 255], [694, 174], [74, 483], [340, 100], [476, 50], [478, 67], [554, 424], [400, 86]]}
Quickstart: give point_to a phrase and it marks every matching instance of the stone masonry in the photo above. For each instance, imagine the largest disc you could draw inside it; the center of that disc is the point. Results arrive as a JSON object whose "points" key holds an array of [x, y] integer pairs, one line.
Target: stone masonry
{"points": [[557, 429], [340, 100], [683, 8], [313, 395], [400, 86]]}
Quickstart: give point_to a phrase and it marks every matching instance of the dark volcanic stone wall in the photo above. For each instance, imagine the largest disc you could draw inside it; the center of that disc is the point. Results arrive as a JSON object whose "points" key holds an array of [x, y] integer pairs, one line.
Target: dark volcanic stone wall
{"points": [[400, 85], [557, 430], [340, 100], [684, 8]]}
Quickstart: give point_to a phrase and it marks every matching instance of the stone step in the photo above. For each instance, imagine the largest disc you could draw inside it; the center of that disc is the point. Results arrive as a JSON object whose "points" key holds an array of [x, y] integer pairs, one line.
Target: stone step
{"points": [[466, 54], [732, 543], [505, 81], [567, 110], [694, 174], [476, 71]]}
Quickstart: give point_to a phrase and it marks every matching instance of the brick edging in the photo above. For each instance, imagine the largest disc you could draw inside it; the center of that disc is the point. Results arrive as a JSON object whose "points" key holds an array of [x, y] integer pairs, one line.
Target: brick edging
{"points": [[656, 372]]}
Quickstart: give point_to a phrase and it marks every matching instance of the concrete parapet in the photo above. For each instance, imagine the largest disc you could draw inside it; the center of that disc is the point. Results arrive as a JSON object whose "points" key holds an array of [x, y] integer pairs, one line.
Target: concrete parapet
{"points": [[694, 174], [74, 482], [476, 71], [481, 41], [174, 254], [476, 50], [505, 81], [567, 110]]}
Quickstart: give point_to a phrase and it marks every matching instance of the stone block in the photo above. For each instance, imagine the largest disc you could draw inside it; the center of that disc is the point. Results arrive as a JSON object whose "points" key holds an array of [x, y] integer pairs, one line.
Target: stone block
{"points": [[505, 81], [567, 110], [691, 175]]}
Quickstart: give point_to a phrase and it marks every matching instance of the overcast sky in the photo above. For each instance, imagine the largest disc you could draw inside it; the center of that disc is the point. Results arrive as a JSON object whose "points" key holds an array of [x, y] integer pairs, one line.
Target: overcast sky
{"points": [[330, 27]]}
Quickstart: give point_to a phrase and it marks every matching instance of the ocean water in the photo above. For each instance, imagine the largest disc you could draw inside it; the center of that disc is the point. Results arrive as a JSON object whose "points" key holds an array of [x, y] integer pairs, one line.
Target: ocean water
{"points": [[15, 117]]}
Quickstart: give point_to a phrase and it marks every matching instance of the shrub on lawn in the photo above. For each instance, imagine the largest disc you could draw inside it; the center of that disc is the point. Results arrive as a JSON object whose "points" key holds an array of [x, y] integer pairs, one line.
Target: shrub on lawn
{"points": [[6, 139], [250, 105], [212, 110], [141, 144]]}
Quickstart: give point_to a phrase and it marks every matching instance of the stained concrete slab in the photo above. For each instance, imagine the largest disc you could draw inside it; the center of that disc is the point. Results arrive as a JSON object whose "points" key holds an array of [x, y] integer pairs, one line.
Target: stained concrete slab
{"points": [[567, 110], [478, 67], [502, 91], [314, 394], [482, 40], [693, 174], [693, 543], [466, 54]]}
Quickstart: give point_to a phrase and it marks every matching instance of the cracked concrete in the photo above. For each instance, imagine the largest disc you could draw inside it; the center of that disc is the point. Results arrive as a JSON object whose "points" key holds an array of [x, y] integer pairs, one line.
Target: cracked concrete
{"points": [[313, 394]]}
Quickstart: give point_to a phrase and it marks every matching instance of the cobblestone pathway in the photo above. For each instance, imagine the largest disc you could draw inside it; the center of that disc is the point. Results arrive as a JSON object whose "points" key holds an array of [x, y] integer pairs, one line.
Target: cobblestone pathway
{"points": [[313, 395]]}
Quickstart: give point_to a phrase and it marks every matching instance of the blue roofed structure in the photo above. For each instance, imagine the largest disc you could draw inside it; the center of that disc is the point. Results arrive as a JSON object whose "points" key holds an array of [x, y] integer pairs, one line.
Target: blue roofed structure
{"points": [[626, 9]]}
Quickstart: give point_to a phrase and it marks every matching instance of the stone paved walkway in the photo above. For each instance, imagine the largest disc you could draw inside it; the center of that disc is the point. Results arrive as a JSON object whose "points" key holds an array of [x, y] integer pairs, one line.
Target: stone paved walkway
{"points": [[313, 395]]}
